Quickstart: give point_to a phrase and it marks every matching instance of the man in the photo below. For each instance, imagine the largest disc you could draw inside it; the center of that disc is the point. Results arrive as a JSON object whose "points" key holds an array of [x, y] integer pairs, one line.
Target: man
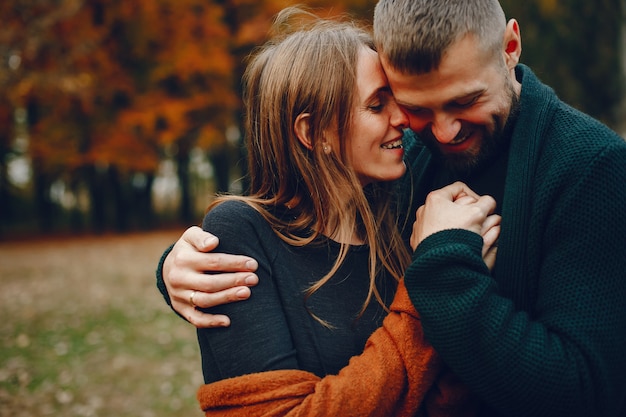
{"points": [[544, 334]]}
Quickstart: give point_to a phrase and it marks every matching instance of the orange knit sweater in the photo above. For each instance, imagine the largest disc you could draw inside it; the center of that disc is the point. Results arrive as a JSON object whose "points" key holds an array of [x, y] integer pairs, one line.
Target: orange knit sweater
{"points": [[398, 374]]}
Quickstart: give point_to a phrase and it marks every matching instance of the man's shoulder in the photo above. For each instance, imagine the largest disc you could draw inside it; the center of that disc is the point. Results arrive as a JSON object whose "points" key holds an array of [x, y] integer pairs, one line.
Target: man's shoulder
{"points": [[578, 133], [558, 123]]}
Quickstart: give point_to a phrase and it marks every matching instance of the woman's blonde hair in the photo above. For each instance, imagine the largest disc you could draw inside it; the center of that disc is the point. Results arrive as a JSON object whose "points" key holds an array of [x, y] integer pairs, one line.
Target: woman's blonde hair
{"points": [[310, 67]]}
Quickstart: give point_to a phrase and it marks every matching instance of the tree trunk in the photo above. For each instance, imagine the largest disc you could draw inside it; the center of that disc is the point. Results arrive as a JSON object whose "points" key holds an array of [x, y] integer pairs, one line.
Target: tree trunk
{"points": [[44, 207], [221, 165], [186, 214], [119, 199]]}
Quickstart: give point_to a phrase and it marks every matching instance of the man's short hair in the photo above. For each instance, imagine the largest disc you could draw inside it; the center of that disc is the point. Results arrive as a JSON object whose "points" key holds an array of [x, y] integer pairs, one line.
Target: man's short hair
{"points": [[412, 35]]}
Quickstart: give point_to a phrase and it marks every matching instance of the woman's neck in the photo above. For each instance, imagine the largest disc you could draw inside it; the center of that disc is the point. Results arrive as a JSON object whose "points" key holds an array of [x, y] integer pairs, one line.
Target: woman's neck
{"points": [[343, 234]]}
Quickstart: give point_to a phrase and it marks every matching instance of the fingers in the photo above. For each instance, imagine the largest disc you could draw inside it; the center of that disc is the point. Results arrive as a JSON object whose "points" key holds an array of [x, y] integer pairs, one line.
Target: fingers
{"points": [[465, 200], [185, 273], [212, 299], [456, 190], [490, 257], [188, 254], [487, 204], [490, 239], [490, 233], [490, 222], [211, 291], [199, 239], [222, 262], [224, 284], [207, 321], [453, 207], [206, 300], [460, 193], [195, 240]]}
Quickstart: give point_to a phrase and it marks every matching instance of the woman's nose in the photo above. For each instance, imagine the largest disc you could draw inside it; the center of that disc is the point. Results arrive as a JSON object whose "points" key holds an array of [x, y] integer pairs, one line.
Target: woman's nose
{"points": [[398, 117]]}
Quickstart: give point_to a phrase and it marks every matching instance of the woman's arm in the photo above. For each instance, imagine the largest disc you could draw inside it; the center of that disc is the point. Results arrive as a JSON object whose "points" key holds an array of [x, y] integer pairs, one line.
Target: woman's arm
{"points": [[396, 373]]}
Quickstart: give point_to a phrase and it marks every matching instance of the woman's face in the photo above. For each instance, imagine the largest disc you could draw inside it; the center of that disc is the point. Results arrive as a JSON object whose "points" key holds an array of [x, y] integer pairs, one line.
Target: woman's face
{"points": [[375, 144]]}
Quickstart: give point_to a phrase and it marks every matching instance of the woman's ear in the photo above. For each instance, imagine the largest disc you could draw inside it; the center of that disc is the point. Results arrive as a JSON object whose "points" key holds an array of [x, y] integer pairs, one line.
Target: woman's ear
{"points": [[301, 129]]}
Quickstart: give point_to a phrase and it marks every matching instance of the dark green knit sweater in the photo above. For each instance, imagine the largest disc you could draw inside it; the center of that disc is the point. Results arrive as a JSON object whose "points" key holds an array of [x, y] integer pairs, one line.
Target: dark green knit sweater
{"points": [[546, 336]]}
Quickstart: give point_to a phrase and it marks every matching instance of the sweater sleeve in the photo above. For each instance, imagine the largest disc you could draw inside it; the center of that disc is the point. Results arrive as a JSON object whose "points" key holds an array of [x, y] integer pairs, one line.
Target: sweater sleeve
{"points": [[160, 283], [396, 373], [565, 354]]}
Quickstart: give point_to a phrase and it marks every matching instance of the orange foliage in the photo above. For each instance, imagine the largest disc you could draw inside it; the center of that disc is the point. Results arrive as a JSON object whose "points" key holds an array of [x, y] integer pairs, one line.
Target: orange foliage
{"points": [[117, 81]]}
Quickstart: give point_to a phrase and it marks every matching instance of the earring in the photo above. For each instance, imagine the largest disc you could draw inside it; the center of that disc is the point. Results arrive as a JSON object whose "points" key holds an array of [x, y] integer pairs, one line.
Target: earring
{"points": [[326, 149]]}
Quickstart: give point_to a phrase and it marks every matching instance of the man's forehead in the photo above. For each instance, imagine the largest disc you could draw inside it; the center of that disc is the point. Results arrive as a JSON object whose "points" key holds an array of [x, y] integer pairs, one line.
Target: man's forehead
{"points": [[421, 90], [436, 86], [414, 88]]}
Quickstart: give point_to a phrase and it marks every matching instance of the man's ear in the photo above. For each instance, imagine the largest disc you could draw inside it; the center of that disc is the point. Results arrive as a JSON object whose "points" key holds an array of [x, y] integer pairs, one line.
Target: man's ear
{"points": [[512, 44], [301, 129]]}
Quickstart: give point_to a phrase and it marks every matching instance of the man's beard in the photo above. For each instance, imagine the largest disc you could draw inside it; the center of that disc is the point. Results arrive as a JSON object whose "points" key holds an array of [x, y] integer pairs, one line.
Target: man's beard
{"points": [[492, 144]]}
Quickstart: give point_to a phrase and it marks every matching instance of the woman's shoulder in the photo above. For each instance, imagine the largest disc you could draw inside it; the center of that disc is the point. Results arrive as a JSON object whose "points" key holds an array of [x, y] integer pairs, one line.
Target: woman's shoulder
{"points": [[241, 229], [237, 216], [234, 212], [230, 207]]}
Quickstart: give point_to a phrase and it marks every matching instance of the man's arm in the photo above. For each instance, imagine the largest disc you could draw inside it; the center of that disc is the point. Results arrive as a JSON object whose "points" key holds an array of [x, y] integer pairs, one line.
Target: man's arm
{"points": [[189, 275], [563, 355]]}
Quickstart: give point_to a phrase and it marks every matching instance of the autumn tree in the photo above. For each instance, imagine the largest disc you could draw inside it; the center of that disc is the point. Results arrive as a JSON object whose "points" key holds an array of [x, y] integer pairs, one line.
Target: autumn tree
{"points": [[574, 46], [30, 56], [110, 87], [184, 98], [6, 135]]}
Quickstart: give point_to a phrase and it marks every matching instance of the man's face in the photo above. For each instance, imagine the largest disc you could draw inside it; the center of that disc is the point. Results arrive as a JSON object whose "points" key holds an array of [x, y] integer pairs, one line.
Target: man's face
{"points": [[460, 110]]}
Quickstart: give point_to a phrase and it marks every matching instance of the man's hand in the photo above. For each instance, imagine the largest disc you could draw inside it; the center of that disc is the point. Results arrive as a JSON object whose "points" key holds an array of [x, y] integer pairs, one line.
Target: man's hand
{"points": [[455, 206], [491, 233], [195, 277]]}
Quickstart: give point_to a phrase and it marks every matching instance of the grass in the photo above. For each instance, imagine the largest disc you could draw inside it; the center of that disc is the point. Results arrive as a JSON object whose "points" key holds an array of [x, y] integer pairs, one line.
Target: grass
{"points": [[85, 332]]}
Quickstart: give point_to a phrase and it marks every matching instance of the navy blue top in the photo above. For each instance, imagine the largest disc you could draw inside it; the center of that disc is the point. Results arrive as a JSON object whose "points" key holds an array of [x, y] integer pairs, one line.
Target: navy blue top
{"points": [[275, 328]]}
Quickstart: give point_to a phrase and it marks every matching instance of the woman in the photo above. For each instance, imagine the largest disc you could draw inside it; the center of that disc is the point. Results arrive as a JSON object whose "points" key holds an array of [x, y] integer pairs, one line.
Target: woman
{"points": [[324, 143]]}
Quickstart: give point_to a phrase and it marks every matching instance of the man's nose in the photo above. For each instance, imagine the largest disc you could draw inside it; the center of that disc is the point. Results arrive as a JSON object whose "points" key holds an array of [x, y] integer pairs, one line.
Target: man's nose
{"points": [[445, 128]]}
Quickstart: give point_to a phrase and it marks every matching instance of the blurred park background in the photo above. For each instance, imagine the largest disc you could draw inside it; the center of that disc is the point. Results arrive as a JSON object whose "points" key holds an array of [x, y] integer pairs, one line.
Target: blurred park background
{"points": [[119, 121], [120, 115]]}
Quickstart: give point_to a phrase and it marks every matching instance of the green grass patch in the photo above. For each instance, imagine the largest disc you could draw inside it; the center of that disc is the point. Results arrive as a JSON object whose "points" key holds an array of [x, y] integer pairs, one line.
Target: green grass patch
{"points": [[83, 334]]}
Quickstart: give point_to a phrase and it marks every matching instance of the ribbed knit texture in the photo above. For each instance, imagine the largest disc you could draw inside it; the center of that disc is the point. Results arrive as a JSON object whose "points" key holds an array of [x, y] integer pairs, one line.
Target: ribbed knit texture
{"points": [[160, 283], [546, 336]]}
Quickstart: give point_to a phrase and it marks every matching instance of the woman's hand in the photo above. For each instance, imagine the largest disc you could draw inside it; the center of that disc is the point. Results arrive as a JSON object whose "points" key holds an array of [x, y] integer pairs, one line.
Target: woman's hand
{"points": [[456, 206]]}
